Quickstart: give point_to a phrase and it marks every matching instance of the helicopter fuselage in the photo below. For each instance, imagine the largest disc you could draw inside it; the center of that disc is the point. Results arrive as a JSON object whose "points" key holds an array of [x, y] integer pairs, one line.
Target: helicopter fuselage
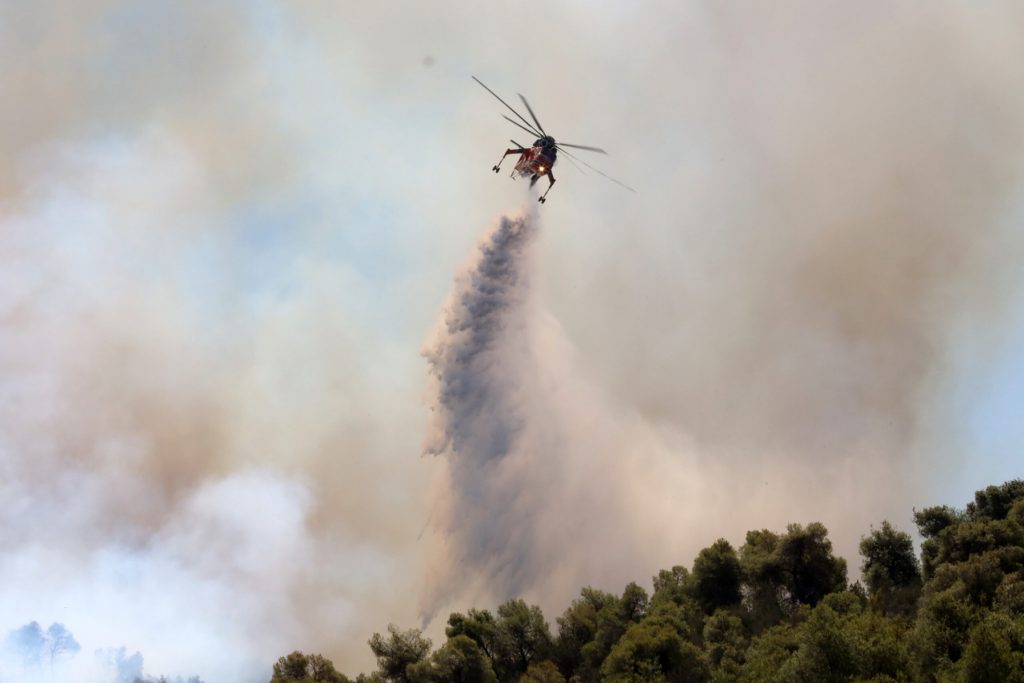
{"points": [[537, 160]]}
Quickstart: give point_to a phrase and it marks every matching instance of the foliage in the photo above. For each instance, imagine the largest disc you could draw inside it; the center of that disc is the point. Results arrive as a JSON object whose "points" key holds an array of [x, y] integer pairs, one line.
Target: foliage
{"points": [[890, 570], [301, 668], [592, 625], [522, 638], [398, 652], [779, 610], [460, 660], [725, 644], [543, 672], [654, 652], [717, 577], [32, 647], [478, 625], [995, 651]]}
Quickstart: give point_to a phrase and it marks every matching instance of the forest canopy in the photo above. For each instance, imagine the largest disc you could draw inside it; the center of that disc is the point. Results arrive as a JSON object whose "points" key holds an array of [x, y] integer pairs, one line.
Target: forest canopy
{"points": [[778, 608]]}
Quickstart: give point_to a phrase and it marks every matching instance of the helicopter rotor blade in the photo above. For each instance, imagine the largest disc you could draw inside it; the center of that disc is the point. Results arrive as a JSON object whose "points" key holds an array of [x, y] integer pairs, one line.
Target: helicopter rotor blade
{"points": [[573, 162], [590, 149], [502, 101], [528, 130], [597, 170], [532, 115]]}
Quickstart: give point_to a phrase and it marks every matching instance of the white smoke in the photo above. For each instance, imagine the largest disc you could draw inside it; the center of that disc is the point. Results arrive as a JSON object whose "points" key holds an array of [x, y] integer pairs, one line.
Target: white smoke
{"points": [[172, 481]]}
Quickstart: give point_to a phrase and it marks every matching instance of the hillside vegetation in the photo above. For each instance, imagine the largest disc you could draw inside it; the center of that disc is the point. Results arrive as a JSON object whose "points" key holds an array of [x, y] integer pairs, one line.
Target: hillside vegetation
{"points": [[778, 608]]}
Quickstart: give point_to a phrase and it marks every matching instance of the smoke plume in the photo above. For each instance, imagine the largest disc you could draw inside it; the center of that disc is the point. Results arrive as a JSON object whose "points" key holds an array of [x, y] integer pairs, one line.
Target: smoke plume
{"points": [[225, 227], [535, 460]]}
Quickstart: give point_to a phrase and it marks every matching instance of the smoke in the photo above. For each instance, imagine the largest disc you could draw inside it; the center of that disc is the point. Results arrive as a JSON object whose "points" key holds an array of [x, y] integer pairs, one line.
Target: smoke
{"points": [[810, 387], [482, 397], [171, 481], [225, 227], [541, 474]]}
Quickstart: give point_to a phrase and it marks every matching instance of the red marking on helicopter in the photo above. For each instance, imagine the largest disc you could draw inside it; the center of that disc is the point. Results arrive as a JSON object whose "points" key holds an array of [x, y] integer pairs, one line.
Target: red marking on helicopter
{"points": [[537, 160]]}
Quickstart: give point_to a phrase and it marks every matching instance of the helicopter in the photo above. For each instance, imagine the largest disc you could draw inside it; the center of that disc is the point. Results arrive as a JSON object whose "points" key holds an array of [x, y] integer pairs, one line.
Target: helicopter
{"points": [[538, 159]]}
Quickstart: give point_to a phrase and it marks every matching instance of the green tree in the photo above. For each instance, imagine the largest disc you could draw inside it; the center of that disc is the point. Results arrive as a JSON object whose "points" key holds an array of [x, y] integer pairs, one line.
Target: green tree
{"points": [[840, 642], [812, 571], [932, 520], [522, 637], [971, 561], [717, 576], [396, 653], [990, 654], [301, 668], [766, 601], [673, 603], [654, 652], [827, 653], [672, 585], [478, 625], [1009, 597], [459, 660], [768, 653], [1016, 512], [725, 642], [577, 629], [890, 570], [784, 572], [372, 677], [542, 672], [634, 603], [995, 502], [614, 617]]}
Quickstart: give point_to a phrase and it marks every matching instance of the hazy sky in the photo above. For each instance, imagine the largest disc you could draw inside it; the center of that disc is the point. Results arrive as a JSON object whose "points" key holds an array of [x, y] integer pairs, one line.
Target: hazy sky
{"points": [[228, 232]]}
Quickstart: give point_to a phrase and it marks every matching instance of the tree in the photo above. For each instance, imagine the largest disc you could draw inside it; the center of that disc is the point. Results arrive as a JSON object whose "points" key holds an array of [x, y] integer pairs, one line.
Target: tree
{"points": [[654, 652], [995, 502], [717, 576], [400, 650], [60, 644], [460, 660], [614, 617], [577, 630], [932, 520], [768, 653], [827, 652], [725, 641], [543, 672], [1009, 597], [123, 667], [766, 599], [522, 638], [27, 644], [301, 668], [969, 562], [890, 570], [478, 625], [671, 585], [634, 603], [990, 654], [1016, 512], [812, 571], [783, 572], [32, 647]]}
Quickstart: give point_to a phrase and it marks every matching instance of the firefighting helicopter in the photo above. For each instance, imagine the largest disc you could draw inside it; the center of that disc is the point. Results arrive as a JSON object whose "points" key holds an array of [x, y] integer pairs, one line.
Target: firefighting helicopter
{"points": [[537, 160]]}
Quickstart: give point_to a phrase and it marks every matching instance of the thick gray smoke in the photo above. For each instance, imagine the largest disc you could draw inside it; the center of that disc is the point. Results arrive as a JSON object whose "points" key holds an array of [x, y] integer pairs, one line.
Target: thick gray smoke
{"points": [[535, 461], [479, 406], [480, 411]]}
